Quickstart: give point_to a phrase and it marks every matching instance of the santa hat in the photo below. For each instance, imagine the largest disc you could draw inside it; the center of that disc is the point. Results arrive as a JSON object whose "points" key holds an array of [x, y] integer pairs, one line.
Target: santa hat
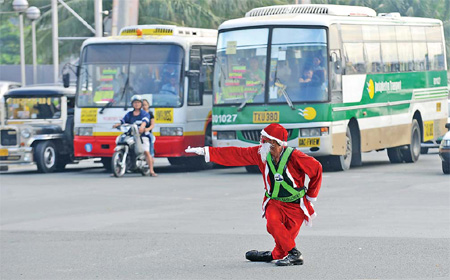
{"points": [[276, 132]]}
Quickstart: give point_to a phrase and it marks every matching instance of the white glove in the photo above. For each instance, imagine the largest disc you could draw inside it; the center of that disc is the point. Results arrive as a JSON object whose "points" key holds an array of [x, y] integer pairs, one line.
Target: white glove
{"points": [[199, 150]]}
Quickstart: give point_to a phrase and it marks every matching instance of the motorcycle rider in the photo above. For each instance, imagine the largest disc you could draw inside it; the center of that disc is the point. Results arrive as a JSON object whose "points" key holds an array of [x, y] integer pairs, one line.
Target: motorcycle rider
{"points": [[138, 114]]}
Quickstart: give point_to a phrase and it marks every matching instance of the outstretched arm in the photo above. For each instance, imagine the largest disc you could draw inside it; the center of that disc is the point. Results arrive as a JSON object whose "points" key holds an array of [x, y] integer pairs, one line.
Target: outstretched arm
{"points": [[228, 156]]}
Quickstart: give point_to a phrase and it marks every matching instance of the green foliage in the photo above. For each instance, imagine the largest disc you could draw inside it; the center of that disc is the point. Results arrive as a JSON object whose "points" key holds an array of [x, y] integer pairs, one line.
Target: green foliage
{"points": [[194, 13]]}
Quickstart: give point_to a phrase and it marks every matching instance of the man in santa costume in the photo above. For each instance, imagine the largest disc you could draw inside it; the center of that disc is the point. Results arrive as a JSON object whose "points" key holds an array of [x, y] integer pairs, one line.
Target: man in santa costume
{"points": [[287, 203]]}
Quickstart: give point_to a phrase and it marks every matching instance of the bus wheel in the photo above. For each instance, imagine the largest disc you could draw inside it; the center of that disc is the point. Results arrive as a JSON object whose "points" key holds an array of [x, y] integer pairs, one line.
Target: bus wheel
{"points": [[46, 157], [341, 163], [395, 155], [412, 152]]}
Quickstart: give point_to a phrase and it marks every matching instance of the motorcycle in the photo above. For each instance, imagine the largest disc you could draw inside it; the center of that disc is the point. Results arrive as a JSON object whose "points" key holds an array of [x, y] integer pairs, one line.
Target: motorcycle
{"points": [[129, 152]]}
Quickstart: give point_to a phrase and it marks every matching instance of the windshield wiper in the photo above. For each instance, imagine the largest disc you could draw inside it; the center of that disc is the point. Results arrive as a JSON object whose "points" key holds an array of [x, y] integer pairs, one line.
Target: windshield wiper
{"points": [[109, 104], [282, 88], [246, 100]]}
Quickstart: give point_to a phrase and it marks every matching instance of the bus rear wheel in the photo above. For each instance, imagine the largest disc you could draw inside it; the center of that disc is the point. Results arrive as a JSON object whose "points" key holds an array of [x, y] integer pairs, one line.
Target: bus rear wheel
{"points": [[395, 155]]}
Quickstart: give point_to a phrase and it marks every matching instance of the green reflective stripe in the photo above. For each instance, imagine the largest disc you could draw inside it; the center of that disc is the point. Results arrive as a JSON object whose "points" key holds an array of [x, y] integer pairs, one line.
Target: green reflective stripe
{"points": [[276, 188], [291, 198]]}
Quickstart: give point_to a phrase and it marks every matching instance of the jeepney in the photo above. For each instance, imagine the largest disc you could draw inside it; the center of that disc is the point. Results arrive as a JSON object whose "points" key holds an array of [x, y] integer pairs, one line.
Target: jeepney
{"points": [[38, 127]]}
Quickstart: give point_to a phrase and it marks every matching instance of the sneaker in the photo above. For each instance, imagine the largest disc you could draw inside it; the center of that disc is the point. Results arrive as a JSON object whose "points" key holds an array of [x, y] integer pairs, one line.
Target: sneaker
{"points": [[293, 258], [259, 256]]}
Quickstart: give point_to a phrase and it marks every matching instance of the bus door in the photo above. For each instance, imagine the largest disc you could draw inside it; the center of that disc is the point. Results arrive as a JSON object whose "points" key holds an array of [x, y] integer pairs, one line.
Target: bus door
{"points": [[199, 99]]}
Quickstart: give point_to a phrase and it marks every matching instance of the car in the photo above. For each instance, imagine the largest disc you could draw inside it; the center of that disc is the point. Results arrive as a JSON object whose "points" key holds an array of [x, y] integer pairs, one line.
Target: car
{"points": [[38, 127], [444, 151], [434, 143]]}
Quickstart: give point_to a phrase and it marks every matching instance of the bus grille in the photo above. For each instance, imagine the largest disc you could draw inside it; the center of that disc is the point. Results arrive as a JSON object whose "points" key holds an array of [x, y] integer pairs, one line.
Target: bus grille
{"points": [[8, 137], [254, 135]]}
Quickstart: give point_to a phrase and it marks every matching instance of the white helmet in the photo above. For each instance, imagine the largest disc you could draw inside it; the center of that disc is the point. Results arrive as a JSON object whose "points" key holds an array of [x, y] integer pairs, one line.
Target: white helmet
{"points": [[136, 98]]}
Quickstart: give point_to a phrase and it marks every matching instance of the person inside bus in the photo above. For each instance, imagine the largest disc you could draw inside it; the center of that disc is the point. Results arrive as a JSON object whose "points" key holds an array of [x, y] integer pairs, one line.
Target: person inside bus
{"points": [[138, 114], [256, 76], [307, 75], [171, 87], [149, 134]]}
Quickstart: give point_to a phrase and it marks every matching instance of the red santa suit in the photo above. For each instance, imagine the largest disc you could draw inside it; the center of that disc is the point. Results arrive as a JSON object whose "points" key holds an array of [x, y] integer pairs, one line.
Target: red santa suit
{"points": [[284, 219]]}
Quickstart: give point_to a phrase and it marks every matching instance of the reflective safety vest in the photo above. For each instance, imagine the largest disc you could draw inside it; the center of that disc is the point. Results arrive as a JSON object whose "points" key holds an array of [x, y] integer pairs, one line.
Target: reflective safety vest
{"points": [[283, 189]]}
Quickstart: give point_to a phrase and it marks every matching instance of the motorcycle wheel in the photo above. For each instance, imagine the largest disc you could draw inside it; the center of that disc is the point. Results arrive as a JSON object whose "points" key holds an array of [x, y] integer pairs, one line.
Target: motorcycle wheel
{"points": [[117, 169]]}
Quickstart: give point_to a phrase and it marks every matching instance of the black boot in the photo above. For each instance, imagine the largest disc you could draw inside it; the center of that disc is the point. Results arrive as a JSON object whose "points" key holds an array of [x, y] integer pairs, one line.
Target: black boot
{"points": [[259, 256], [293, 258]]}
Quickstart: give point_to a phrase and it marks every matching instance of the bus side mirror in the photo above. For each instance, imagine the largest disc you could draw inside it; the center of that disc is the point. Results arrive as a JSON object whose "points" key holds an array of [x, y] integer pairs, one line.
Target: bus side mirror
{"points": [[336, 62], [66, 79]]}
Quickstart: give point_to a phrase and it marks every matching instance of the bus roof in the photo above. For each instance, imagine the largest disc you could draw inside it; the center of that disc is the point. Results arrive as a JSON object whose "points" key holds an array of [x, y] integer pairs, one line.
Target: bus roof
{"points": [[321, 15], [158, 34]]}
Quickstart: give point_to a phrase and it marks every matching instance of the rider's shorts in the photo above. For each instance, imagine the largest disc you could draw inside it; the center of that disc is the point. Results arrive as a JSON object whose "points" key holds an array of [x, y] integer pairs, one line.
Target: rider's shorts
{"points": [[145, 143]]}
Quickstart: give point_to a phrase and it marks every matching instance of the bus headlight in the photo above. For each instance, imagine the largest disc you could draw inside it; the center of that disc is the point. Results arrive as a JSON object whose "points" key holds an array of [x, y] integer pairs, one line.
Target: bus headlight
{"points": [[171, 131], [25, 133], [83, 131], [314, 132], [226, 135]]}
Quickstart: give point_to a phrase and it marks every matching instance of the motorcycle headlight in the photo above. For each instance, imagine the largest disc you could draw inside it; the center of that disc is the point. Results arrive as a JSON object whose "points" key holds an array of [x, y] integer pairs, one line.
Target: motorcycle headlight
{"points": [[171, 131], [83, 131], [125, 129], [26, 133]]}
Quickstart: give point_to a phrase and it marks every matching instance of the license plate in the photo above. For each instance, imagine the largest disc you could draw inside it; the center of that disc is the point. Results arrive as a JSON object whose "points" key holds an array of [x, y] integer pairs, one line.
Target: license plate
{"points": [[266, 117], [309, 142], [4, 152]]}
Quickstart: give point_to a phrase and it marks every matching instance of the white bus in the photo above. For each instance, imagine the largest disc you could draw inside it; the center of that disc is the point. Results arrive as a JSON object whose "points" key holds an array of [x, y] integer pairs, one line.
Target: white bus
{"points": [[342, 80], [142, 60]]}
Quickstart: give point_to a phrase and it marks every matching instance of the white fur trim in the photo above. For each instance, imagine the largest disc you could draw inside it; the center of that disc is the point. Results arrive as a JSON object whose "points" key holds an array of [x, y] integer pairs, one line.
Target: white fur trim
{"points": [[290, 177], [265, 134], [206, 153], [311, 198]]}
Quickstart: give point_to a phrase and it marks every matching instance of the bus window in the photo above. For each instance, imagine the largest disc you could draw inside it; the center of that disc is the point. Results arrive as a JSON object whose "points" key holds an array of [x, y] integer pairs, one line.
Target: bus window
{"points": [[370, 33], [387, 33], [419, 33], [240, 66], [390, 57], [405, 56], [373, 57], [433, 33], [403, 33], [420, 53], [354, 58], [298, 65], [435, 56], [351, 33], [353, 49]]}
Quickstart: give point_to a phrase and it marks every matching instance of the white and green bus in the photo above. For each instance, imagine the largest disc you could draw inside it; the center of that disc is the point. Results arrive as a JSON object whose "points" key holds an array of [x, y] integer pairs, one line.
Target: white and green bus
{"points": [[341, 79]]}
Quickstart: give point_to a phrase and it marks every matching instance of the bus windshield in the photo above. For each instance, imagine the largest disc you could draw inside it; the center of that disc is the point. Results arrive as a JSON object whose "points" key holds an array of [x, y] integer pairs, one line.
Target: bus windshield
{"points": [[110, 74], [298, 66]]}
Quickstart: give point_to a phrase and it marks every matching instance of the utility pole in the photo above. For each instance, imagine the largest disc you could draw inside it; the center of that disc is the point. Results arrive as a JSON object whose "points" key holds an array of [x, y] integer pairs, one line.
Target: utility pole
{"points": [[55, 40], [98, 10]]}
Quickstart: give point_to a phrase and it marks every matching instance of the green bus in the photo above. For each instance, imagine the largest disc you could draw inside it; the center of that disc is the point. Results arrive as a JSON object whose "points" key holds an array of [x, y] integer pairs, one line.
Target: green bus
{"points": [[341, 79]]}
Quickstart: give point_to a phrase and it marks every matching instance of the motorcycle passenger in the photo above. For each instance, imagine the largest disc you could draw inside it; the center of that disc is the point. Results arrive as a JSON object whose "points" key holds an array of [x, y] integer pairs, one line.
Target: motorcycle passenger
{"points": [[149, 134], [138, 114]]}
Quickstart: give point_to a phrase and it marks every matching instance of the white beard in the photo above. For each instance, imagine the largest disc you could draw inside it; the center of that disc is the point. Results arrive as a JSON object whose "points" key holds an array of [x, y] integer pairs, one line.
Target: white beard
{"points": [[264, 150]]}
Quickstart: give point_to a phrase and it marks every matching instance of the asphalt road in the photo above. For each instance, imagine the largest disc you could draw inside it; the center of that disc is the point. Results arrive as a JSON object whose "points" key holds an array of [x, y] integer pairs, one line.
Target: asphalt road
{"points": [[377, 221]]}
